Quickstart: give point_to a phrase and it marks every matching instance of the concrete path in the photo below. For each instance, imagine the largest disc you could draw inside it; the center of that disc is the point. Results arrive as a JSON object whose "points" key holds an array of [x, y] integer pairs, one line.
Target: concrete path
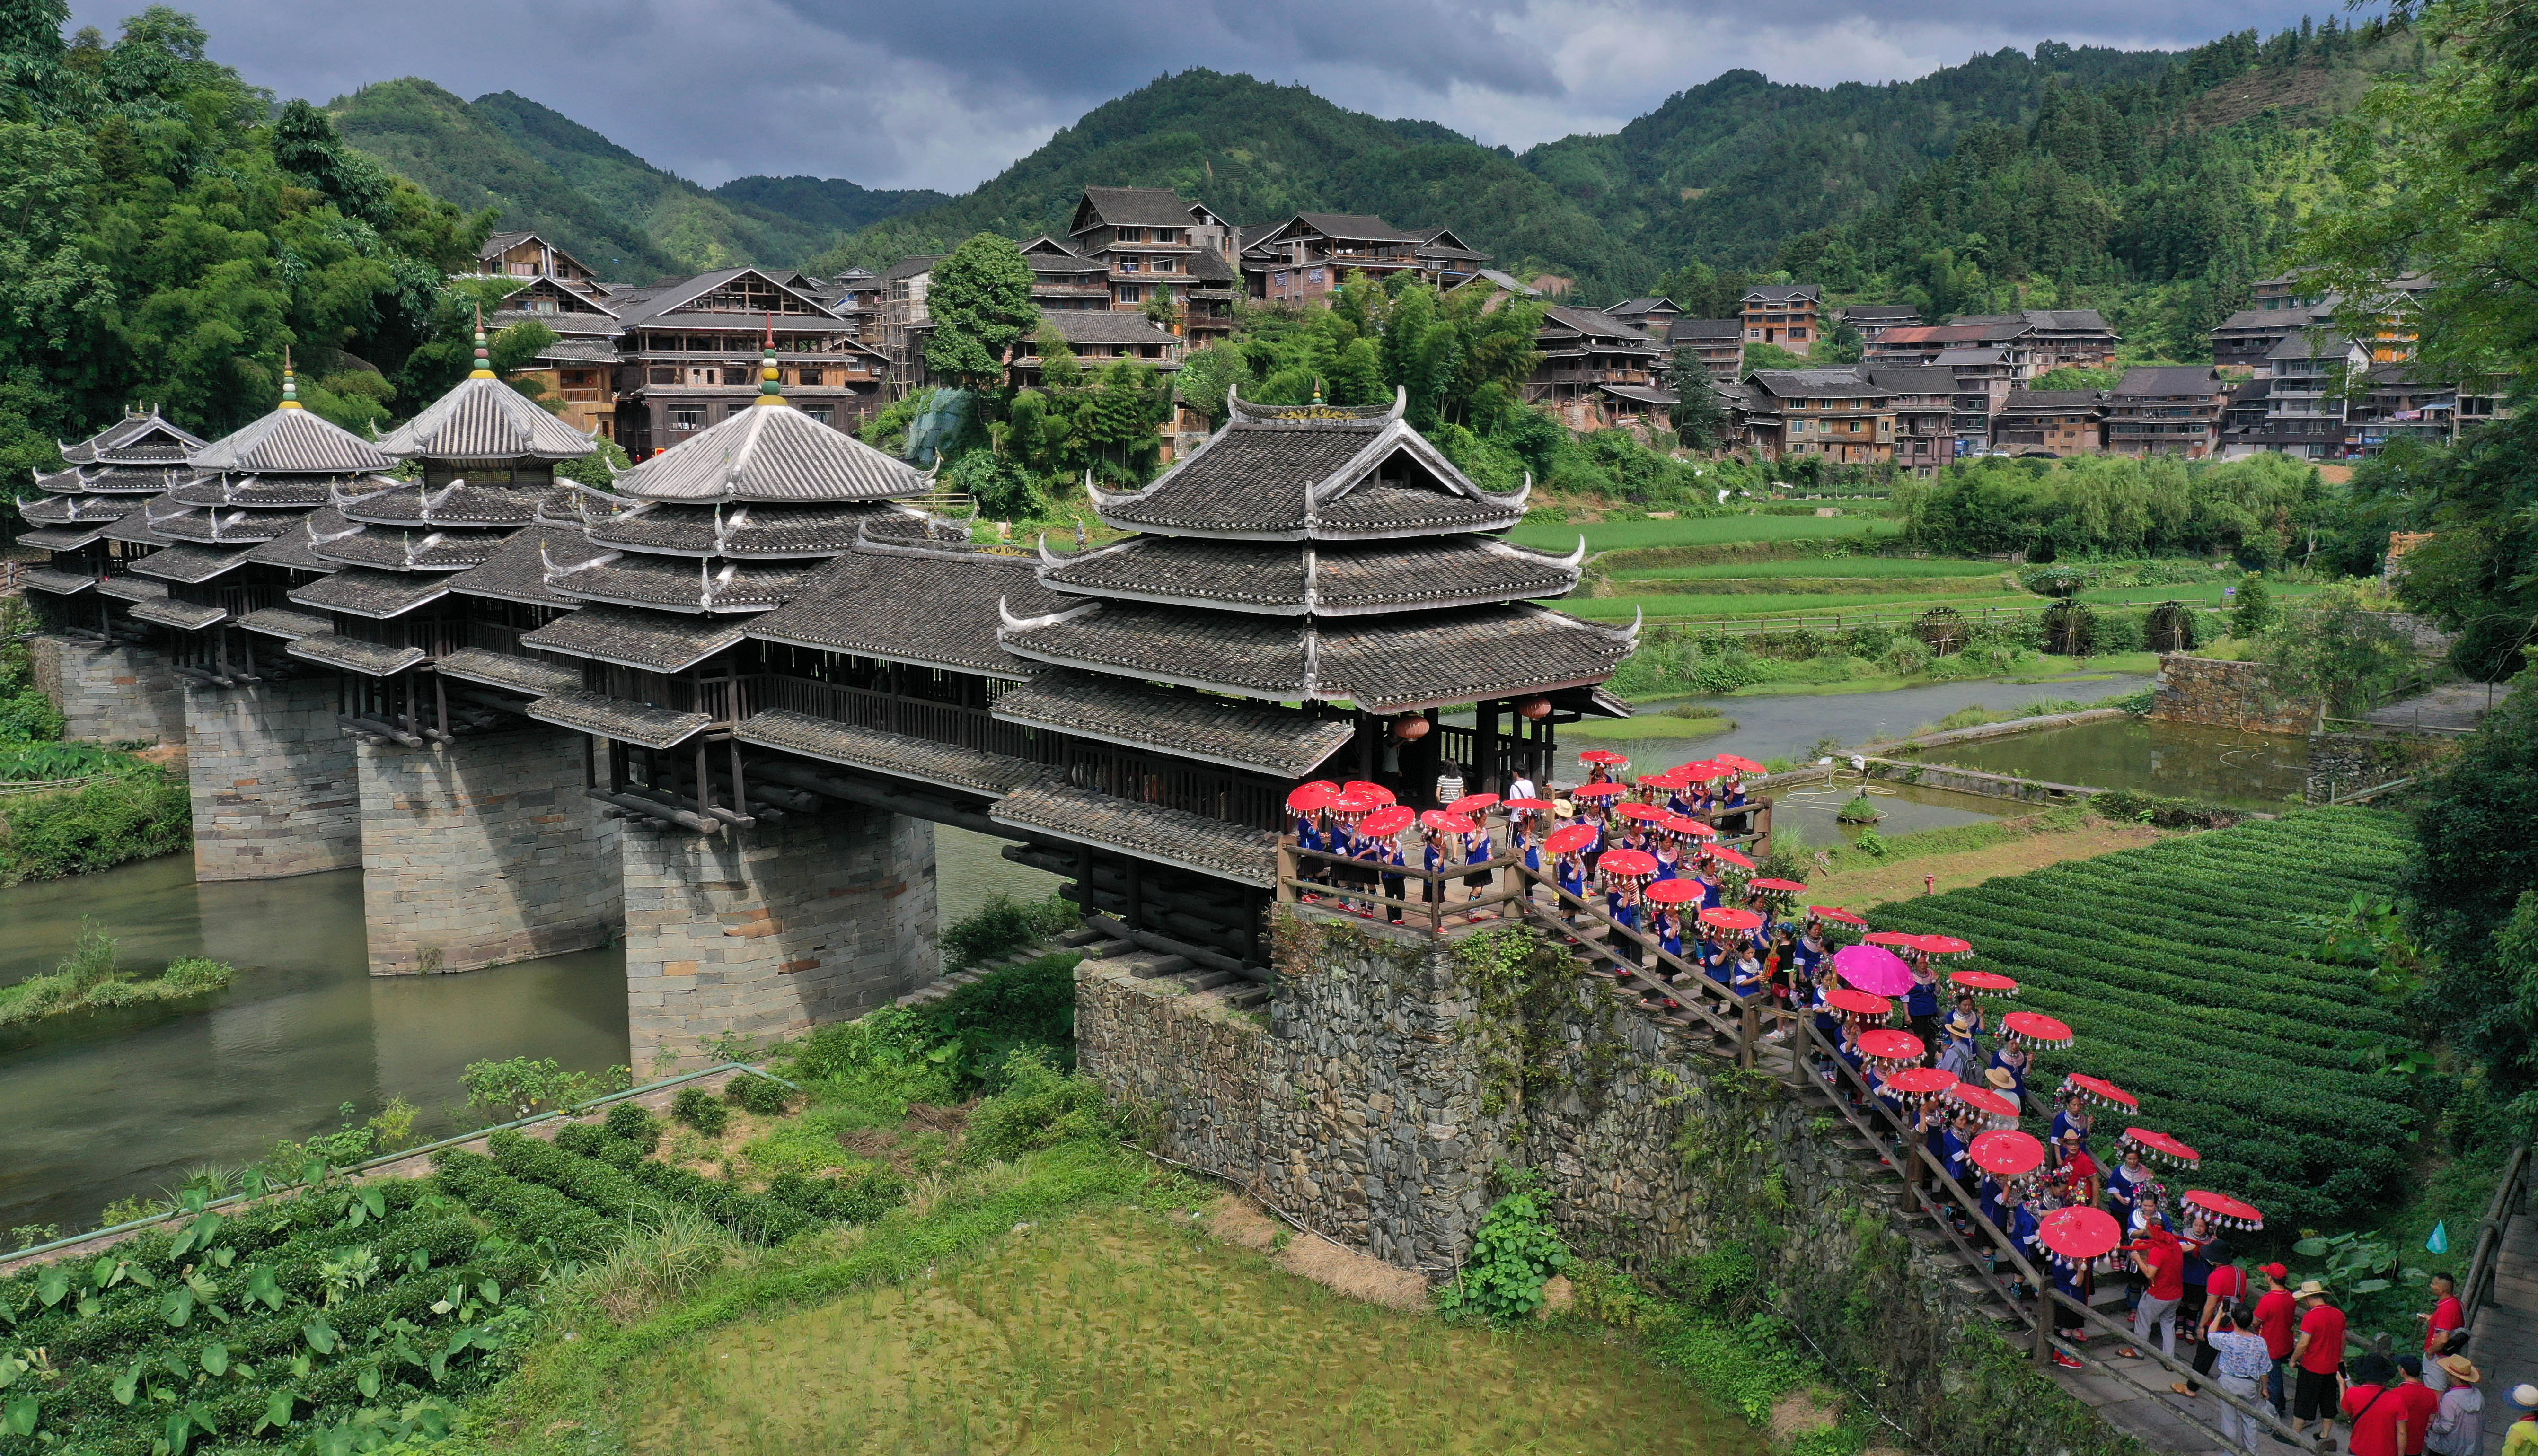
{"points": [[2504, 1344], [2449, 705]]}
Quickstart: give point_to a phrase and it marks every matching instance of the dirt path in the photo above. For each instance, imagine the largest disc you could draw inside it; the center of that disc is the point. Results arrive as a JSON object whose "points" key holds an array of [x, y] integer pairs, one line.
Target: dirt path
{"points": [[1860, 888]]}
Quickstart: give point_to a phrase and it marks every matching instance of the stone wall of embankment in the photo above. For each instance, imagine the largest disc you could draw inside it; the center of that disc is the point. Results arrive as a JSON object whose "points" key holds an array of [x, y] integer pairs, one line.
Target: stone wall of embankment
{"points": [[1388, 1078]]}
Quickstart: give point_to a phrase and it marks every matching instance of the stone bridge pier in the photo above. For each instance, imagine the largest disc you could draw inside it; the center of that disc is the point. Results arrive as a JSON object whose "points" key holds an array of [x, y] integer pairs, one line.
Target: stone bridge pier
{"points": [[276, 789], [771, 930], [482, 851], [113, 692]]}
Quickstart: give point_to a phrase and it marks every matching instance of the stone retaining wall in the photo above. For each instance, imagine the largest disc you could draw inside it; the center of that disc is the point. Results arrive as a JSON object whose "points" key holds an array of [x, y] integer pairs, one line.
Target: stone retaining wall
{"points": [[2349, 763], [110, 693], [1978, 781], [2226, 695], [776, 930], [276, 788], [1388, 1078], [482, 852]]}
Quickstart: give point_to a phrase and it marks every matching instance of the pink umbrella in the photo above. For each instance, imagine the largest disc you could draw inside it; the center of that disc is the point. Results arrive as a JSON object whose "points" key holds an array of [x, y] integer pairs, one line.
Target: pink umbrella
{"points": [[1873, 969]]}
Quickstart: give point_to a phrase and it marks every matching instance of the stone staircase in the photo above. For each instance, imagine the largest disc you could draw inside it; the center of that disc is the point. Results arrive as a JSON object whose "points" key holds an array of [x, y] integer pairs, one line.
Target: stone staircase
{"points": [[1095, 945]]}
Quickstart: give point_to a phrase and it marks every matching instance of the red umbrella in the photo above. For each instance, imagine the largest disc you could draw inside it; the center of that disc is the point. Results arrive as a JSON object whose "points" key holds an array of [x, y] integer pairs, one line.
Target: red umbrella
{"points": [[1597, 790], [1890, 1048], [1945, 945], [1727, 856], [1777, 887], [2076, 1235], [2027, 1028], [1921, 1084], [1739, 762], [2007, 1154], [1984, 982], [1454, 824], [1313, 797], [1673, 892], [2099, 1089], [1605, 757], [1859, 1005], [1644, 813], [1427, 818], [1700, 771], [1376, 791], [1354, 806], [1996, 1110], [1571, 839], [1688, 829], [2226, 1210], [1894, 938], [1627, 864], [1387, 822], [1672, 779], [1836, 914], [1724, 918], [2160, 1146], [1873, 969], [1528, 806], [1474, 803]]}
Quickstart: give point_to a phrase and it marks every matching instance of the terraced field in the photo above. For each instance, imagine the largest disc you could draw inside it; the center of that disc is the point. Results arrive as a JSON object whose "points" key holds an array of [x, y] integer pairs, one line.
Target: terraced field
{"points": [[1696, 531], [2179, 969]]}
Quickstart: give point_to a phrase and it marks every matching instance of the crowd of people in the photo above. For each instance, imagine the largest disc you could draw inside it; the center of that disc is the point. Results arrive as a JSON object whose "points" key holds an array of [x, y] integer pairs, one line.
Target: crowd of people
{"points": [[1641, 866]]}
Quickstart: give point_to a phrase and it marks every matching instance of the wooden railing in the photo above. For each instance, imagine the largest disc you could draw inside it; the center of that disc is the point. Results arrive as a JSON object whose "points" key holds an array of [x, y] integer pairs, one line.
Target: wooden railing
{"points": [[2478, 1289]]}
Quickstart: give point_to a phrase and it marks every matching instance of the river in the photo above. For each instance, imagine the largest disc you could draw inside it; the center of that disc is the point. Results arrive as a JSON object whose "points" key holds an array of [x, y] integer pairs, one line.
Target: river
{"points": [[101, 1106]]}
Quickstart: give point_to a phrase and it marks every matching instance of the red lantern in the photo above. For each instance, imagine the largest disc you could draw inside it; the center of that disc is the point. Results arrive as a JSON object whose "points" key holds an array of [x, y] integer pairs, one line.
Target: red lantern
{"points": [[1410, 727], [1536, 709]]}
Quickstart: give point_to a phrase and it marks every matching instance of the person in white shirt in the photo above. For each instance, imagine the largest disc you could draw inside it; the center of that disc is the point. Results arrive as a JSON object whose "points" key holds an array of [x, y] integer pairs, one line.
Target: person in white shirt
{"points": [[1449, 782], [2240, 1363], [1522, 786]]}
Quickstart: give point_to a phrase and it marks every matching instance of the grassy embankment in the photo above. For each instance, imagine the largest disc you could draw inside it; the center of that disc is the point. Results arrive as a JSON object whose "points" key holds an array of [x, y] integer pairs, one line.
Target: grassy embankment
{"points": [[91, 978]]}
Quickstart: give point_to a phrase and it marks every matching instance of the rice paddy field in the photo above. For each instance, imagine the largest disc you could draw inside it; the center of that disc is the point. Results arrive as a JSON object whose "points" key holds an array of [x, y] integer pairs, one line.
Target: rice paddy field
{"points": [[1134, 1331], [2180, 969], [1840, 566], [1698, 531], [1680, 606]]}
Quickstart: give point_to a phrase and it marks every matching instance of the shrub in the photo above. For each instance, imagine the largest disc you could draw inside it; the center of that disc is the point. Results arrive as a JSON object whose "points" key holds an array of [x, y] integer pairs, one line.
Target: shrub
{"points": [[985, 1022], [629, 1122], [853, 1198], [129, 816], [1001, 926], [1861, 809], [188, 974], [1039, 1108], [764, 1095], [695, 1107], [1515, 1254]]}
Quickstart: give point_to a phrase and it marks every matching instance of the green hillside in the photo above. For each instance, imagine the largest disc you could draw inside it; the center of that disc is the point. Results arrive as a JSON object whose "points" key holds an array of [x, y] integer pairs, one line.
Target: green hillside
{"points": [[1258, 152], [830, 204]]}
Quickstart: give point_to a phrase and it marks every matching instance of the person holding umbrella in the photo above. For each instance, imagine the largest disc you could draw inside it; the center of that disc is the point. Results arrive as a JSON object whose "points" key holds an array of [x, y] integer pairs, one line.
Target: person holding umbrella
{"points": [[1921, 1005]]}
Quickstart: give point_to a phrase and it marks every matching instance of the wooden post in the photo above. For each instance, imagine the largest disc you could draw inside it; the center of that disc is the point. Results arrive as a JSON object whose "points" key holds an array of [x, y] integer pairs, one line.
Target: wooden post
{"points": [[704, 785], [1485, 777], [739, 780], [1136, 892]]}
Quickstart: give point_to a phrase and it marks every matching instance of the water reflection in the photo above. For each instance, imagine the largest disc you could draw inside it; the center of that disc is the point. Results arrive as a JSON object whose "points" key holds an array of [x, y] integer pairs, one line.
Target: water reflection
{"points": [[2222, 765]]}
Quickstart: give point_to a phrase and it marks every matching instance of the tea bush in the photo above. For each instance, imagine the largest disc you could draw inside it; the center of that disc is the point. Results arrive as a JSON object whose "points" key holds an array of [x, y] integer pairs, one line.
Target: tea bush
{"points": [[764, 1095], [629, 1122], [697, 1107]]}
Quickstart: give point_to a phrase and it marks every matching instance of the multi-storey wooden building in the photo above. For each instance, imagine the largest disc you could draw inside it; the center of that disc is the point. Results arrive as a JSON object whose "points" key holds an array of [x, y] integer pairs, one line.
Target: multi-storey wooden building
{"points": [[688, 350], [1585, 352], [1789, 315], [1923, 400], [1869, 320], [2055, 338], [1152, 239], [2051, 422], [1719, 342], [2167, 410], [1304, 258], [1838, 415], [528, 255]]}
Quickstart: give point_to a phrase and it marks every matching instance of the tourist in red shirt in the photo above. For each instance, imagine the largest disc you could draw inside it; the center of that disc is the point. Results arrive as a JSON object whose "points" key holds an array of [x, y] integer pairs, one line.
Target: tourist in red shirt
{"points": [[2377, 1411], [2448, 1316], [2163, 1259], [2221, 1287], [2275, 1316], [2318, 1354], [2422, 1402]]}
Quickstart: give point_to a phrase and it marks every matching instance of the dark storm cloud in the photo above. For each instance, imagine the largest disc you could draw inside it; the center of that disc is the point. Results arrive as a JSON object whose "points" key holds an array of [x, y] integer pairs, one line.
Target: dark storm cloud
{"points": [[944, 94]]}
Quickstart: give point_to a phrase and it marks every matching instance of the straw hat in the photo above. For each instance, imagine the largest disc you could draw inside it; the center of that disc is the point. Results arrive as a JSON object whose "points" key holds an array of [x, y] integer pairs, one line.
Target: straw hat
{"points": [[2311, 1288], [2462, 1370], [2000, 1076], [1563, 807], [2525, 1397]]}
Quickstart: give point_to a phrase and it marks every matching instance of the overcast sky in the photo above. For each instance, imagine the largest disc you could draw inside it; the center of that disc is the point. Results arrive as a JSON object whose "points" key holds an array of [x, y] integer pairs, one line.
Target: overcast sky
{"points": [[893, 94]]}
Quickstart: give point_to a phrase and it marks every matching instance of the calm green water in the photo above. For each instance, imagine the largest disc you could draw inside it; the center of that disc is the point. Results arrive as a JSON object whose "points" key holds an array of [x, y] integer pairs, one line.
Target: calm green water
{"points": [[109, 1105], [2251, 770]]}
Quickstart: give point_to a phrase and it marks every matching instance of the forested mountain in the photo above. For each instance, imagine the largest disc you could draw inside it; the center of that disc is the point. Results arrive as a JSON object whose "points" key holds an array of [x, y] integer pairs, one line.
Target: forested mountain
{"points": [[1258, 152], [1727, 172], [540, 169]]}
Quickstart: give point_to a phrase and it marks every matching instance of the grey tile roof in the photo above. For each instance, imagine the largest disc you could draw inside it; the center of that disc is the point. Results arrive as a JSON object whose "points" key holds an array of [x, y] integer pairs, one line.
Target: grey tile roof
{"points": [[1593, 323], [1883, 312], [1282, 480], [215, 526], [762, 530], [1911, 378], [1948, 358], [1639, 393], [1356, 228], [971, 770], [652, 640], [134, 438], [135, 528], [352, 654], [184, 615], [1384, 663], [1841, 383], [1695, 330], [1345, 577], [73, 510], [602, 716], [189, 563], [689, 585], [1134, 207], [457, 503], [1783, 293], [771, 453], [932, 606], [58, 582], [1640, 305], [2050, 401], [296, 549], [362, 593], [2270, 319], [1148, 832], [504, 670], [1081, 327], [282, 622], [288, 440], [132, 588], [517, 572], [279, 492], [2169, 379], [62, 538], [115, 479], [405, 547], [1240, 733]]}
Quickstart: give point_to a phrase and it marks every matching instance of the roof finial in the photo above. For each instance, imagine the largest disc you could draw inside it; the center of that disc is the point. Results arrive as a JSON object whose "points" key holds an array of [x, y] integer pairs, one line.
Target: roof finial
{"points": [[1317, 391], [290, 382], [770, 391], [484, 357]]}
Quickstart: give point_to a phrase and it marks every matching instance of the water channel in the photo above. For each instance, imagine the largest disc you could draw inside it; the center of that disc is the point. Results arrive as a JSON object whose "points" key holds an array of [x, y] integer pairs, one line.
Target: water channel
{"points": [[107, 1106]]}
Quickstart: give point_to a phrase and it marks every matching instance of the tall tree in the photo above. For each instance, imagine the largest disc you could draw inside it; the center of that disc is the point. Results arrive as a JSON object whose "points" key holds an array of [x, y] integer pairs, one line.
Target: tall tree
{"points": [[981, 304], [1699, 419]]}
